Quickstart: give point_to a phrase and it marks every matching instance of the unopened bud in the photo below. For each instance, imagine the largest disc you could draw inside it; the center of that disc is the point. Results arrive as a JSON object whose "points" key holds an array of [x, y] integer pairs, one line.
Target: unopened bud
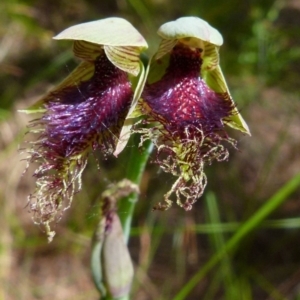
{"points": [[111, 264]]}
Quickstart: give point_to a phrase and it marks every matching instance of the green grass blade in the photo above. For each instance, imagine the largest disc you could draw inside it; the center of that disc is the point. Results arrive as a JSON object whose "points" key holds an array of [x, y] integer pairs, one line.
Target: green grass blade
{"points": [[271, 204], [218, 240], [135, 169]]}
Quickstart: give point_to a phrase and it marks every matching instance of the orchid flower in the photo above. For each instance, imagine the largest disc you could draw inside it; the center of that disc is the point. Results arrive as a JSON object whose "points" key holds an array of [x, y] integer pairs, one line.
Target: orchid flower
{"points": [[85, 112], [186, 105]]}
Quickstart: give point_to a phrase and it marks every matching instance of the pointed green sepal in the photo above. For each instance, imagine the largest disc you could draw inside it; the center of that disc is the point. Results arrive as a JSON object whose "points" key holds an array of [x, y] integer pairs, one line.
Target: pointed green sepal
{"points": [[138, 84], [216, 81], [210, 58], [82, 73]]}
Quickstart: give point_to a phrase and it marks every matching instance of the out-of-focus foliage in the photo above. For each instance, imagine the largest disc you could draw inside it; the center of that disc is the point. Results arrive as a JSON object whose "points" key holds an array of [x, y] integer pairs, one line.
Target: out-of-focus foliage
{"points": [[260, 59]]}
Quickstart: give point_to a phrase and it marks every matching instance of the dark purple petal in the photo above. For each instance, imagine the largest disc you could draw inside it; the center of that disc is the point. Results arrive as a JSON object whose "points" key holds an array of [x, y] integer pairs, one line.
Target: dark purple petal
{"points": [[91, 113], [190, 130], [78, 119], [183, 98]]}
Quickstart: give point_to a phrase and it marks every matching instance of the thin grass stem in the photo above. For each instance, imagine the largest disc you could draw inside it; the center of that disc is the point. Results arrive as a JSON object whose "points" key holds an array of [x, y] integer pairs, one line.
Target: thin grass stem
{"points": [[271, 204]]}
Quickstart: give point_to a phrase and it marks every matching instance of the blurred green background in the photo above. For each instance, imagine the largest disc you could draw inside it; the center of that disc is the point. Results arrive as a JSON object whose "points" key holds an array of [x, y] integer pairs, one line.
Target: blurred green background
{"points": [[261, 61]]}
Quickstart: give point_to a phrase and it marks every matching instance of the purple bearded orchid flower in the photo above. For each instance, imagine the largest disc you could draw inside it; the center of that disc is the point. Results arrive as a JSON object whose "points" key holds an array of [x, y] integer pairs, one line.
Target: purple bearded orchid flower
{"points": [[186, 104], [84, 113]]}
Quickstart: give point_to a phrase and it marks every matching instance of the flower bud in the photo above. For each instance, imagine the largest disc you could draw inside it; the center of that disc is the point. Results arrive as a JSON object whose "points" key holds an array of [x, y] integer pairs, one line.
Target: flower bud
{"points": [[111, 265]]}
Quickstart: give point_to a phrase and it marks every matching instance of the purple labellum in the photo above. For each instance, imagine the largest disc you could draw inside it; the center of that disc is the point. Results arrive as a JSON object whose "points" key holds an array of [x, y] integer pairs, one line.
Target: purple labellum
{"points": [[182, 98], [78, 118], [191, 128], [91, 113]]}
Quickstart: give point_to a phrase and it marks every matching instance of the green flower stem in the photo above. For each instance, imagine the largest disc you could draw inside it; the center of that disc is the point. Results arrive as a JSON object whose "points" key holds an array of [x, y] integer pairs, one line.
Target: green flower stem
{"points": [[112, 298], [135, 168], [137, 159], [272, 203]]}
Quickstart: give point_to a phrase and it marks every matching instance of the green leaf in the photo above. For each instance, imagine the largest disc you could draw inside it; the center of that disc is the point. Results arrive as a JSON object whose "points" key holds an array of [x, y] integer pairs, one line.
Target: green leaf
{"points": [[110, 31]]}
